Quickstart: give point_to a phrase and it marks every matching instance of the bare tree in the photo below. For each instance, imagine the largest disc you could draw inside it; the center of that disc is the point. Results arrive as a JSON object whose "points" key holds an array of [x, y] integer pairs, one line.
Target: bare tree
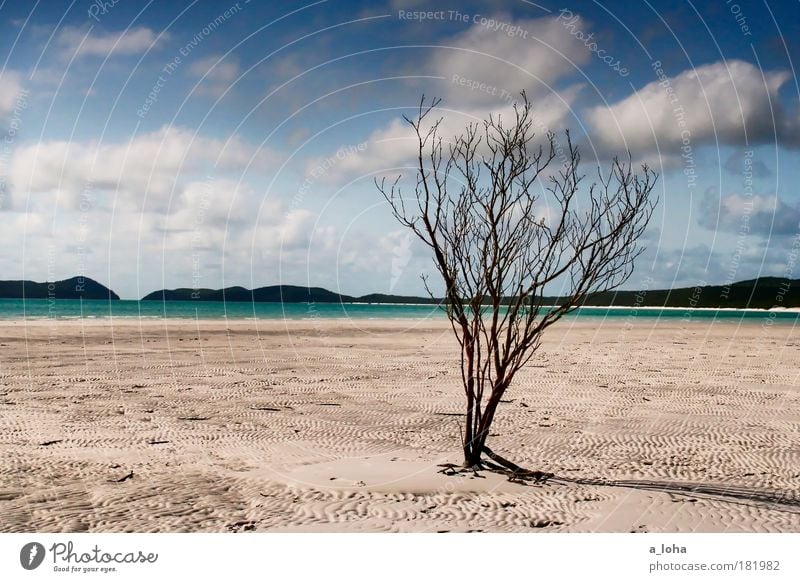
{"points": [[477, 207]]}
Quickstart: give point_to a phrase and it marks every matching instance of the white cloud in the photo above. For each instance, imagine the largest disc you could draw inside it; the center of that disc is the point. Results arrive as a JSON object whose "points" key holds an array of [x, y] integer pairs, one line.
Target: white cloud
{"points": [[396, 145], [729, 102], [78, 42], [296, 229], [10, 89], [212, 205], [501, 65], [289, 233], [145, 173], [213, 68], [221, 232], [217, 76], [722, 264], [507, 64], [759, 214]]}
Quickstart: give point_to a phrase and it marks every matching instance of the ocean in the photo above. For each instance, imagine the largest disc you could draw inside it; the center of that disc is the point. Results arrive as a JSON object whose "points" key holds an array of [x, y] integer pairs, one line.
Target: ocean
{"points": [[99, 309]]}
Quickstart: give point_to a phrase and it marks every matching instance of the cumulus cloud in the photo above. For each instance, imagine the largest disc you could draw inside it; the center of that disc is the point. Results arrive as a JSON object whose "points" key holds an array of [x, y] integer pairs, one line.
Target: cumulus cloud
{"points": [[395, 145], [484, 69], [10, 89], [730, 102], [393, 261], [541, 52], [213, 204], [216, 75], [78, 42], [231, 215], [220, 232], [291, 244], [721, 264], [216, 69], [760, 214], [145, 173], [295, 230]]}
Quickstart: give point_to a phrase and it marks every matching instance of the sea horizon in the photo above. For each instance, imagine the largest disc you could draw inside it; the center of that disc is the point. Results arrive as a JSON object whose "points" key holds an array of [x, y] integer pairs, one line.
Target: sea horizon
{"points": [[38, 309]]}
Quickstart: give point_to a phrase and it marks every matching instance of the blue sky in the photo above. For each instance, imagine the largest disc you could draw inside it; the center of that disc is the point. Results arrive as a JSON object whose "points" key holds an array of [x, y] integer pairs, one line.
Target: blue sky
{"points": [[168, 144]]}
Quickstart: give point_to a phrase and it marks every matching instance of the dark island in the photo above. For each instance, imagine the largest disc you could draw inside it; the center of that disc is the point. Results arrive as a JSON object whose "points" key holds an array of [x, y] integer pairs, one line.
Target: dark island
{"points": [[73, 288], [761, 293], [271, 294]]}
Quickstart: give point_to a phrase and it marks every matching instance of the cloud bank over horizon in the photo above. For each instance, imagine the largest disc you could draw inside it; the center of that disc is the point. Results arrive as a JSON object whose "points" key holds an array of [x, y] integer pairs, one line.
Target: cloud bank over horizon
{"points": [[238, 144]]}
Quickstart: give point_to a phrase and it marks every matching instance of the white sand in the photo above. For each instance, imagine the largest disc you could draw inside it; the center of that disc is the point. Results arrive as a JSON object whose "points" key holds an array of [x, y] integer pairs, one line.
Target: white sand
{"points": [[339, 426]]}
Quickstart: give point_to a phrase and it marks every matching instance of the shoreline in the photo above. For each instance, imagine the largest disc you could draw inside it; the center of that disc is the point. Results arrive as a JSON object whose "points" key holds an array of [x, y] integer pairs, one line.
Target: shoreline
{"points": [[593, 321], [610, 314], [381, 304]]}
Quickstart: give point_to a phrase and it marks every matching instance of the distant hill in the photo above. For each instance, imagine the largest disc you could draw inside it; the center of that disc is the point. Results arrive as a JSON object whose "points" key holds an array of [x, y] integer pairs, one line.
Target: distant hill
{"points": [[74, 288], [383, 298], [765, 293], [274, 293], [762, 293]]}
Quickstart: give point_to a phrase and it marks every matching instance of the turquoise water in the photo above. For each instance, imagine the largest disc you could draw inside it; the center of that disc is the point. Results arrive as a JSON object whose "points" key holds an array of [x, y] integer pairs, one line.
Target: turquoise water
{"points": [[70, 309]]}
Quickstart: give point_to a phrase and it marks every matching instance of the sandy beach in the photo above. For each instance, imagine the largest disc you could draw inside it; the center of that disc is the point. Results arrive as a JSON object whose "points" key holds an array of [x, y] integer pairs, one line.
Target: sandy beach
{"points": [[336, 425]]}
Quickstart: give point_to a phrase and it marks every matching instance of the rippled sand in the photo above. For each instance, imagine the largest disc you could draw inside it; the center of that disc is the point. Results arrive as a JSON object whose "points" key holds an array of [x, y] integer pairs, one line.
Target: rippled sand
{"points": [[339, 426]]}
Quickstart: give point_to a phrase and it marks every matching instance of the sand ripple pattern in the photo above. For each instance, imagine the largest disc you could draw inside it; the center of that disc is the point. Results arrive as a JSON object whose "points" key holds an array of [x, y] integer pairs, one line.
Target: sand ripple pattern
{"points": [[180, 426]]}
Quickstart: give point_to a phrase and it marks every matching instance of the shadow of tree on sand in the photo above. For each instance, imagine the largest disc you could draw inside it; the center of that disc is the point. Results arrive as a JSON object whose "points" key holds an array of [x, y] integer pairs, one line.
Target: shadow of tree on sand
{"points": [[788, 501], [782, 500]]}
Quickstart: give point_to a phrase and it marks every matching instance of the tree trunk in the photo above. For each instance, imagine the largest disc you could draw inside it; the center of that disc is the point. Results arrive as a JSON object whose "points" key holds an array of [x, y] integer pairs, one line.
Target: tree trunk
{"points": [[472, 455], [469, 437], [474, 447]]}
